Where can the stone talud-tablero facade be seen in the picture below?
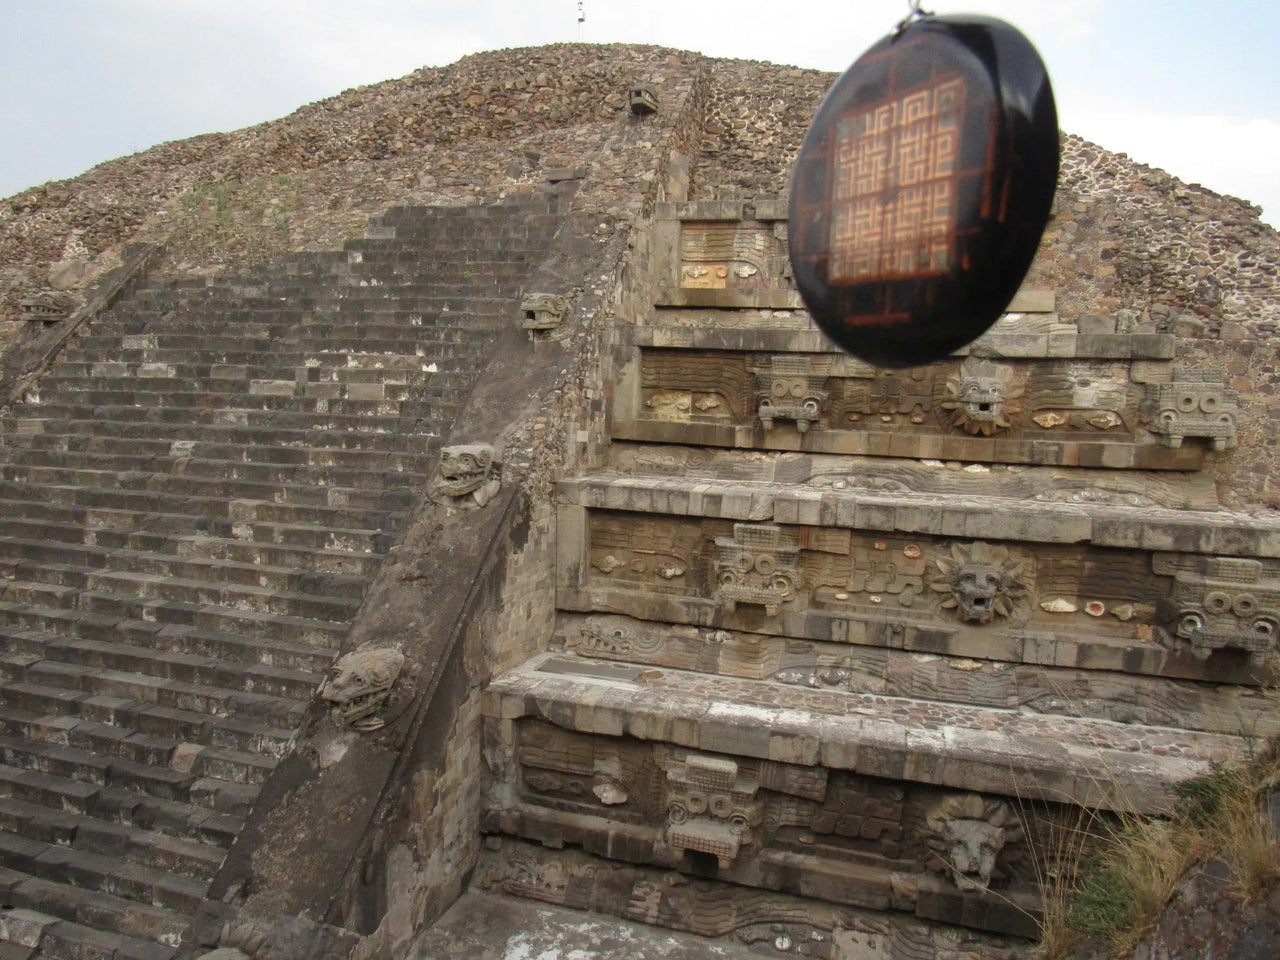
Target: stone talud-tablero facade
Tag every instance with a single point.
(535, 543)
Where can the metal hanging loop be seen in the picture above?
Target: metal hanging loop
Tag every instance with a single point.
(915, 14)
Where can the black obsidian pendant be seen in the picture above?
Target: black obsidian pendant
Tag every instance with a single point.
(923, 187)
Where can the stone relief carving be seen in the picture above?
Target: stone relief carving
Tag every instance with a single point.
(48, 306)
(862, 811)
(981, 397)
(712, 806)
(1219, 603)
(967, 835)
(884, 570)
(792, 387)
(757, 565)
(1196, 404)
(642, 100)
(359, 684)
(721, 255)
(543, 311)
(468, 471)
(981, 582)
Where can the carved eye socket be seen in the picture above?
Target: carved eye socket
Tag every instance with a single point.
(1187, 404)
(765, 564)
(779, 389)
(1265, 627)
(1210, 404)
(1245, 605)
(1217, 602)
(797, 389)
(1190, 623)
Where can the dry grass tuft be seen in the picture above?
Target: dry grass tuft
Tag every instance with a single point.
(1107, 880)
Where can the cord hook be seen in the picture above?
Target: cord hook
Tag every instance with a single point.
(915, 13)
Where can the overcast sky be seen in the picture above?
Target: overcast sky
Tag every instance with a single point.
(1192, 86)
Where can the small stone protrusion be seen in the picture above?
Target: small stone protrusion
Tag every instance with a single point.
(643, 101)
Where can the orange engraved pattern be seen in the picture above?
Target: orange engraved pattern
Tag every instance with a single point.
(893, 198)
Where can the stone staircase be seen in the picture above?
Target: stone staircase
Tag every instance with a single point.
(193, 499)
(845, 647)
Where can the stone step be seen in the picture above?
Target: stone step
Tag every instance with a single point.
(368, 431)
(282, 664)
(159, 851)
(361, 395)
(171, 770)
(124, 523)
(298, 455)
(252, 625)
(22, 554)
(56, 939)
(326, 562)
(291, 474)
(317, 346)
(188, 697)
(179, 665)
(127, 806)
(238, 436)
(133, 730)
(176, 366)
(106, 874)
(207, 512)
(93, 924)
(83, 767)
(59, 584)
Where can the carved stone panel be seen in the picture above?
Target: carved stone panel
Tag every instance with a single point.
(1220, 603)
(469, 474)
(982, 397)
(981, 582)
(712, 806)
(48, 306)
(1195, 405)
(792, 387)
(359, 684)
(642, 100)
(756, 822)
(1067, 412)
(757, 565)
(543, 311)
(678, 567)
(731, 255)
(968, 833)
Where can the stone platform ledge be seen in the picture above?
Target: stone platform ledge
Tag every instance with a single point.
(966, 516)
(1093, 763)
(885, 476)
(1063, 343)
(1046, 451)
